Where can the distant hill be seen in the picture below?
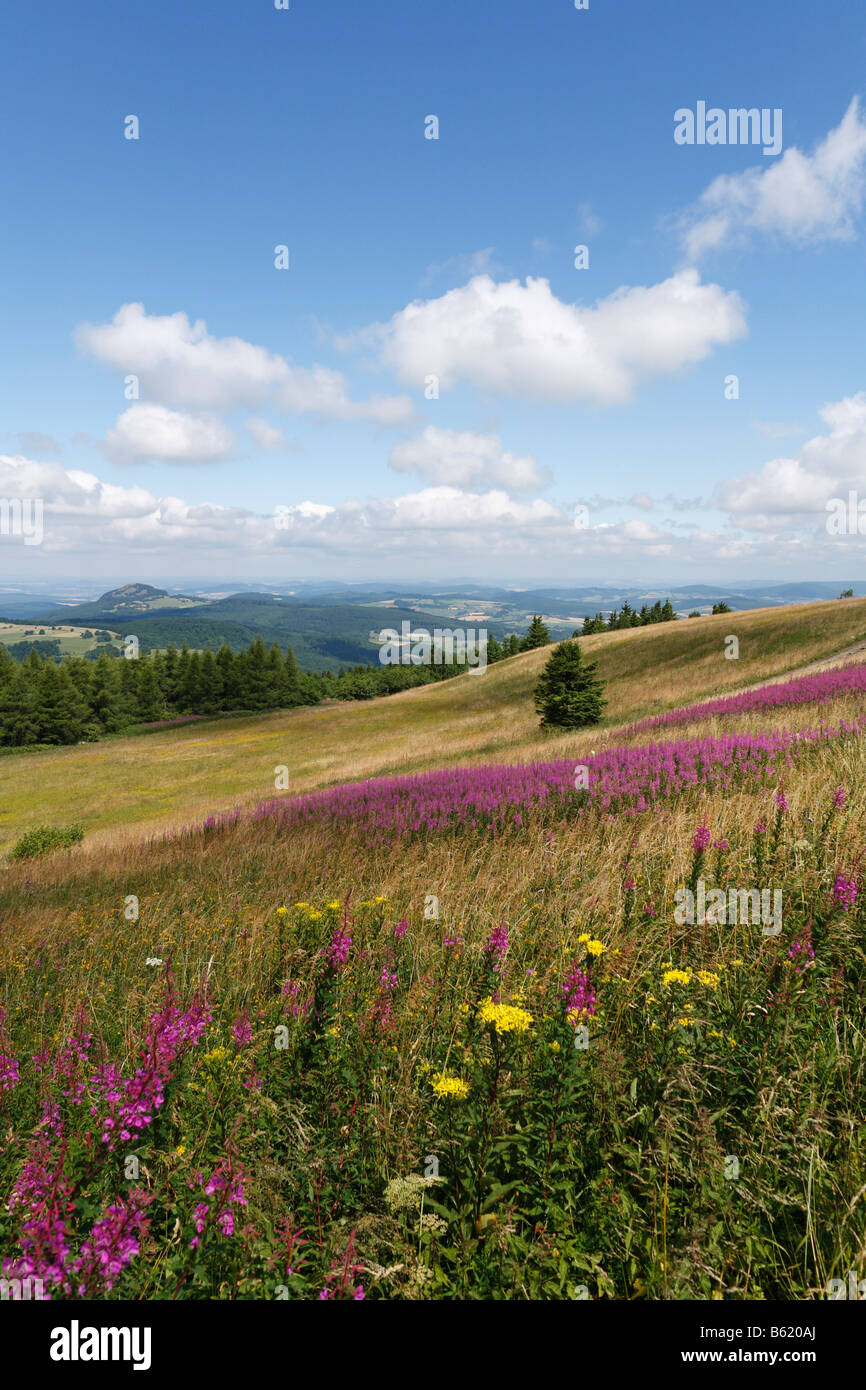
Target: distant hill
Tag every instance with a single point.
(129, 598)
(324, 636)
(329, 624)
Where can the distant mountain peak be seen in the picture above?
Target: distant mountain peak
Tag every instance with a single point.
(132, 593)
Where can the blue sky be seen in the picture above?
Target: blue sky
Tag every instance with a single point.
(263, 389)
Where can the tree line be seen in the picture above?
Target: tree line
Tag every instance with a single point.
(629, 617)
(81, 699)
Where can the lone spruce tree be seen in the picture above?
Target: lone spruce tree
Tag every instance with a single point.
(536, 636)
(567, 694)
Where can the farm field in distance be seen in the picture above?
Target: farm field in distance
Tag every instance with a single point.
(71, 639)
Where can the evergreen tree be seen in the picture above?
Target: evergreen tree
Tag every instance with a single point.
(210, 685)
(190, 690)
(168, 675)
(129, 688)
(255, 676)
(60, 713)
(568, 694)
(181, 677)
(151, 705)
(536, 636)
(18, 723)
(228, 669)
(668, 614)
(106, 696)
(291, 690)
(275, 671)
(494, 650)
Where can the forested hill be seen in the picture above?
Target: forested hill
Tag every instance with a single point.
(323, 636)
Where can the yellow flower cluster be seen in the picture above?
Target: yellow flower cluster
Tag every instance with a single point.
(594, 947)
(676, 977)
(506, 1018)
(445, 1085)
(709, 978)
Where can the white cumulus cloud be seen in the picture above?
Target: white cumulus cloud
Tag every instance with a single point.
(826, 466)
(146, 431)
(520, 340)
(801, 197)
(449, 457)
(180, 363)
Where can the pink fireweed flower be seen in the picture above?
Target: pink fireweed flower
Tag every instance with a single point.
(577, 996)
(497, 944)
(8, 1072)
(761, 827)
(112, 1244)
(345, 1272)
(42, 1196)
(844, 891)
(401, 929)
(241, 1031)
(337, 952)
(291, 989)
(839, 797)
(801, 952)
(781, 801)
(701, 839)
(131, 1104)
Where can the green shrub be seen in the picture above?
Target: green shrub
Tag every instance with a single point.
(46, 838)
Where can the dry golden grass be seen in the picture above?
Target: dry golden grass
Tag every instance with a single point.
(575, 866)
(125, 789)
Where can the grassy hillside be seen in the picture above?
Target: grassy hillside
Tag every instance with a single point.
(175, 776)
(488, 1061)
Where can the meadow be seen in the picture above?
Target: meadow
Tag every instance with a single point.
(123, 788)
(445, 1035)
(71, 639)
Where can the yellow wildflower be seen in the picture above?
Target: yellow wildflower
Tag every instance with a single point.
(676, 977)
(595, 948)
(709, 978)
(506, 1018)
(583, 938)
(446, 1085)
(281, 911)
